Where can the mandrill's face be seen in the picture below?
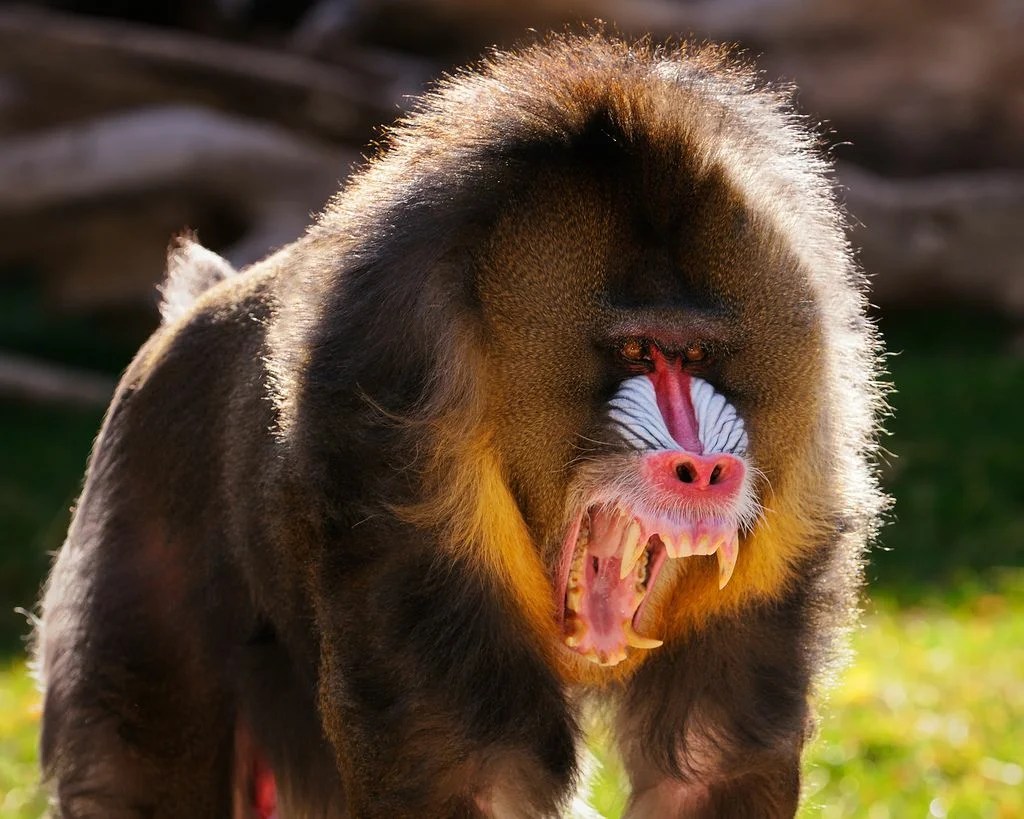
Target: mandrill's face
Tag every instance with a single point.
(646, 413)
(683, 489)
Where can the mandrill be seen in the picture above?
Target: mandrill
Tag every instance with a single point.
(568, 399)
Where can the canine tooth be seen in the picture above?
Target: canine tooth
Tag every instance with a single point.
(632, 548)
(727, 553)
(671, 544)
(639, 641)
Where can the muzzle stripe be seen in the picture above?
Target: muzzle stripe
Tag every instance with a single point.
(635, 414)
(720, 427)
(634, 409)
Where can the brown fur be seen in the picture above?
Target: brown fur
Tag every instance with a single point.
(326, 507)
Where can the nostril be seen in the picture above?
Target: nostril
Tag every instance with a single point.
(686, 473)
(715, 477)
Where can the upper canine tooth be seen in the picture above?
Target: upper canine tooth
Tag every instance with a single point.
(728, 550)
(671, 544)
(639, 641)
(632, 548)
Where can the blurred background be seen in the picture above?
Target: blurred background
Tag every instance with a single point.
(123, 122)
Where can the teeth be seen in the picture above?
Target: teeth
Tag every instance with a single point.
(576, 569)
(703, 544)
(611, 658)
(638, 641)
(577, 631)
(632, 548)
(671, 544)
(727, 553)
(573, 598)
(679, 544)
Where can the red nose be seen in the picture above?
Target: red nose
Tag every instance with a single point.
(698, 477)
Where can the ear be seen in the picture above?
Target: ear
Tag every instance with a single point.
(191, 270)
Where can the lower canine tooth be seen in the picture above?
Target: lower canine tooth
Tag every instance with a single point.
(727, 552)
(638, 641)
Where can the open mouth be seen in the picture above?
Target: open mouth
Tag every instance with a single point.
(613, 557)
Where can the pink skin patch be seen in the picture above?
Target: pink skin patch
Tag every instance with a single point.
(687, 497)
(264, 792)
(255, 786)
(694, 478)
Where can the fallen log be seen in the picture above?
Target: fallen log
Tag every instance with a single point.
(31, 379)
(158, 148)
(93, 205)
(120, 65)
(954, 237)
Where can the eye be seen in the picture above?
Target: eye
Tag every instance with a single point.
(635, 350)
(695, 353)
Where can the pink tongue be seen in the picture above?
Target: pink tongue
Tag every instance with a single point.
(604, 615)
(607, 602)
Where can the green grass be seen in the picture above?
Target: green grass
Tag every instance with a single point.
(47, 449)
(929, 719)
(958, 474)
(19, 722)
